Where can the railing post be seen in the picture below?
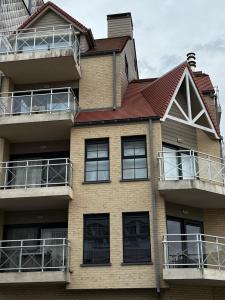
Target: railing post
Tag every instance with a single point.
(50, 107)
(166, 251)
(201, 258)
(31, 102)
(26, 173)
(68, 100)
(35, 37)
(43, 256)
(63, 254)
(209, 168)
(11, 104)
(16, 41)
(20, 255)
(5, 175)
(218, 253)
(53, 37)
(66, 173)
(47, 173)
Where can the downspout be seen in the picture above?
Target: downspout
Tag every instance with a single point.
(154, 207)
(114, 79)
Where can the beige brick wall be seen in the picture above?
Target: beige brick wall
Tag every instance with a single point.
(96, 83)
(114, 198)
(59, 293)
(206, 144)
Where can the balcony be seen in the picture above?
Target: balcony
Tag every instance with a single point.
(192, 178)
(194, 258)
(44, 54)
(34, 261)
(29, 116)
(35, 184)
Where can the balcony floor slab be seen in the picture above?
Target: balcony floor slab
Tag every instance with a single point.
(54, 197)
(194, 193)
(34, 277)
(195, 276)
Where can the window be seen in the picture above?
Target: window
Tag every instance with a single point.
(96, 239)
(134, 158)
(136, 238)
(126, 67)
(97, 160)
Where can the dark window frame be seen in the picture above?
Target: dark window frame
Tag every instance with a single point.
(96, 141)
(95, 216)
(135, 138)
(148, 236)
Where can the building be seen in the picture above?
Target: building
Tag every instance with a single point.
(112, 187)
(14, 12)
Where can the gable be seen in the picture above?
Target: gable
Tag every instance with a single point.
(49, 18)
(187, 106)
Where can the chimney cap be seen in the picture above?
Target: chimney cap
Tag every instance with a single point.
(119, 16)
(191, 60)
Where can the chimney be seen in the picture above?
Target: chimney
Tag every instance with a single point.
(191, 60)
(120, 25)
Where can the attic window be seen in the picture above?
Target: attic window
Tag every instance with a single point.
(126, 67)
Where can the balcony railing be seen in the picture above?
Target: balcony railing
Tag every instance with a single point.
(190, 165)
(194, 251)
(36, 173)
(38, 101)
(34, 255)
(40, 39)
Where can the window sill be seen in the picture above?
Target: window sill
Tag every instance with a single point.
(137, 263)
(96, 182)
(95, 265)
(131, 180)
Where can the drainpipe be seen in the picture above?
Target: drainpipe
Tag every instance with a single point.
(154, 207)
(114, 80)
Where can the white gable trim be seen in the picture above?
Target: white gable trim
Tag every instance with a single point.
(189, 120)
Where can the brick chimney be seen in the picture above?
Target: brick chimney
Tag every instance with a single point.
(120, 25)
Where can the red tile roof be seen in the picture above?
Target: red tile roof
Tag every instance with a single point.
(58, 9)
(203, 81)
(147, 98)
(109, 44)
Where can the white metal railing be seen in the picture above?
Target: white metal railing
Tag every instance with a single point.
(36, 173)
(190, 164)
(194, 251)
(40, 39)
(38, 101)
(35, 255)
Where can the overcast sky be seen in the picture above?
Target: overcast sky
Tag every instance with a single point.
(164, 31)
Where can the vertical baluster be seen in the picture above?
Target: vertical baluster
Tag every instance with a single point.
(66, 173)
(199, 251)
(16, 41)
(6, 174)
(31, 102)
(26, 173)
(218, 253)
(11, 104)
(51, 96)
(47, 173)
(43, 256)
(20, 255)
(63, 254)
(35, 37)
(68, 100)
(209, 168)
(166, 252)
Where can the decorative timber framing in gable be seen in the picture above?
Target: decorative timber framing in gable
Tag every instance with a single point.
(187, 107)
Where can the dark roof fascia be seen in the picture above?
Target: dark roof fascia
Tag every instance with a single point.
(117, 121)
(106, 52)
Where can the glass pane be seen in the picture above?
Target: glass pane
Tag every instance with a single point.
(140, 163)
(91, 165)
(128, 174)
(187, 166)
(103, 175)
(103, 165)
(139, 148)
(170, 165)
(91, 176)
(174, 248)
(128, 164)
(140, 173)
(128, 149)
(192, 248)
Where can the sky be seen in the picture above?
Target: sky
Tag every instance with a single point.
(165, 31)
